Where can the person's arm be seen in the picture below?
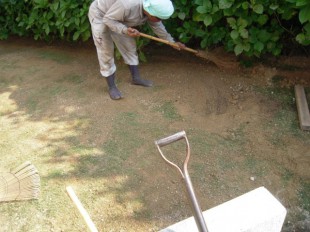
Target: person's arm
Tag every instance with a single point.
(160, 30)
(114, 18)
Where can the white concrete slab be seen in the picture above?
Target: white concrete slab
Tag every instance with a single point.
(255, 211)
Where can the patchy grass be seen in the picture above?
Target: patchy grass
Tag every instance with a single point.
(57, 56)
(168, 110)
(304, 196)
(285, 119)
(287, 176)
(71, 78)
(57, 115)
(7, 65)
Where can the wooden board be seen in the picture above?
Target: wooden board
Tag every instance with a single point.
(302, 107)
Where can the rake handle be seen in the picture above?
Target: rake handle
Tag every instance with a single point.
(167, 42)
(81, 209)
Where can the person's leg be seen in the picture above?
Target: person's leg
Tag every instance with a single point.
(127, 47)
(114, 93)
(105, 49)
(136, 79)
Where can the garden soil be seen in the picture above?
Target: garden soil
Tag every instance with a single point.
(232, 119)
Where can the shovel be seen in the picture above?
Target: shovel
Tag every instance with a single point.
(200, 222)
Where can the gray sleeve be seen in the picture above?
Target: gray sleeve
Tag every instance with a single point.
(160, 30)
(114, 16)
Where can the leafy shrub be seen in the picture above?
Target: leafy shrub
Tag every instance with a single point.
(303, 6)
(250, 27)
(44, 19)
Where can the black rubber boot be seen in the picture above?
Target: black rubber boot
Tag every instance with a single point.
(136, 79)
(114, 93)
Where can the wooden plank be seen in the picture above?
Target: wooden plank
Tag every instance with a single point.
(302, 107)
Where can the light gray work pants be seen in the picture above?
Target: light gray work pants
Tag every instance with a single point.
(104, 38)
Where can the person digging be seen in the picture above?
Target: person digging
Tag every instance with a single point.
(112, 22)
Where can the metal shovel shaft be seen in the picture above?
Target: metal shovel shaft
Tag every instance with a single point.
(200, 222)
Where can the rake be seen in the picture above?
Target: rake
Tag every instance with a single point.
(21, 183)
(227, 62)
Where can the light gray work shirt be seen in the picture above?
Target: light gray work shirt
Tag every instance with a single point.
(118, 15)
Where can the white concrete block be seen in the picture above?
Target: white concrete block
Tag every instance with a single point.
(255, 211)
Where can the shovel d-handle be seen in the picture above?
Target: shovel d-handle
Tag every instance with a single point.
(170, 139)
(200, 222)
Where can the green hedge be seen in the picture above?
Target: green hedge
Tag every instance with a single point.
(250, 27)
(44, 19)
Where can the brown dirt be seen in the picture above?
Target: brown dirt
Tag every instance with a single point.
(225, 115)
